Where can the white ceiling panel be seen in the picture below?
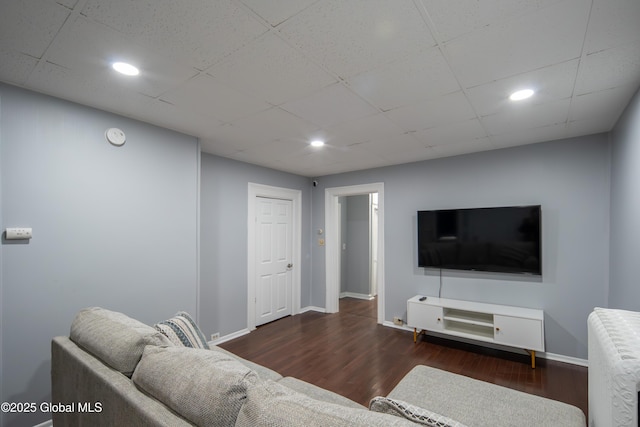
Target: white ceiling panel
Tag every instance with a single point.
(532, 136)
(452, 19)
(454, 133)
(88, 48)
(548, 36)
(206, 96)
(382, 82)
(361, 130)
(272, 70)
(407, 81)
(15, 67)
(275, 13)
(609, 68)
(528, 116)
(450, 108)
(457, 149)
(330, 106)
(198, 32)
(29, 27)
(589, 106)
(355, 36)
(273, 124)
(550, 84)
(613, 23)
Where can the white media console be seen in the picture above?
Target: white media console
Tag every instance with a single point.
(499, 324)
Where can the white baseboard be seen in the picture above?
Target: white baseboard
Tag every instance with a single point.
(48, 423)
(542, 355)
(312, 308)
(356, 295)
(229, 337)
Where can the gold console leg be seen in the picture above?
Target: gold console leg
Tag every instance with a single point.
(415, 335)
(533, 358)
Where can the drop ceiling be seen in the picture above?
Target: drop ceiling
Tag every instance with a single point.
(383, 82)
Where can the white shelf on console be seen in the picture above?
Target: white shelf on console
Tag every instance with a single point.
(500, 324)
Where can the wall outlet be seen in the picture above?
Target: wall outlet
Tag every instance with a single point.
(215, 336)
(397, 321)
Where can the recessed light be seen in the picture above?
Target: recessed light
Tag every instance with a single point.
(126, 69)
(521, 94)
(317, 143)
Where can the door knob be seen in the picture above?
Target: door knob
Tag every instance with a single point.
(289, 265)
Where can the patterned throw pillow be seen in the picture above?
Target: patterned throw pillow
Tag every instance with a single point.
(182, 330)
(411, 412)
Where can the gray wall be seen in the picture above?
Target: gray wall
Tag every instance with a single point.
(624, 290)
(356, 238)
(112, 226)
(223, 247)
(569, 178)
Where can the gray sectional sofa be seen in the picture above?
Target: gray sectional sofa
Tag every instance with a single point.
(116, 371)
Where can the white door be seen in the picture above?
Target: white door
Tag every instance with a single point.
(274, 249)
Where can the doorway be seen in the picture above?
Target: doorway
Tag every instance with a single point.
(358, 245)
(334, 247)
(273, 286)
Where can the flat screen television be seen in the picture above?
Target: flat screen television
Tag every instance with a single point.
(501, 239)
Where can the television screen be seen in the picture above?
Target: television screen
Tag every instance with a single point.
(503, 239)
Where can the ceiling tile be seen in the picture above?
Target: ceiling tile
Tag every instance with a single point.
(270, 125)
(28, 27)
(527, 116)
(454, 133)
(88, 48)
(208, 97)
(68, 3)
(531, 136)
(355, 36)
(407, 81)
(271, 70)
(457, 149)
(550, 83)
(361, 130)
(276, 13)
(549, 36)
(609, 68)
(330, 106)
(612, 23)
(447, 109)
(604, 106)
(454, 18)
(200, 32)
(15, 67)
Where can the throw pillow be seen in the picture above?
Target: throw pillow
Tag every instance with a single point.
(411, 412)
(182, 330)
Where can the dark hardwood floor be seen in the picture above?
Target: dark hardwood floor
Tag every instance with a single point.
(350, 354)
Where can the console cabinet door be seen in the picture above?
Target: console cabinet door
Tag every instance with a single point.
(518, 332)
(424, 316)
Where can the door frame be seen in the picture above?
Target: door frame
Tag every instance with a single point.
(295, 196)
(331, 216)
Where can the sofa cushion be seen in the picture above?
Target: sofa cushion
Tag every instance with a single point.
(272, 404)
(413, 413)
(263, 372)
(182, 330)
(318, 393)
(113, 337)
(485, 404)
(204, 386)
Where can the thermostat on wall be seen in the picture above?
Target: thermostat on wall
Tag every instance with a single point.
(115, 136)
(18, 233)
